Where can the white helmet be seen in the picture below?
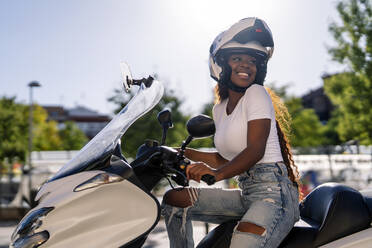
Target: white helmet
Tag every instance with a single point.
(250, 35)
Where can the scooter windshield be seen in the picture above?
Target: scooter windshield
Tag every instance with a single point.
(105, 141)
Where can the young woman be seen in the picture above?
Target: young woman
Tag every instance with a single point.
(250, 144)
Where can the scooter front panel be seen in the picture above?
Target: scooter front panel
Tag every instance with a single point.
(109, 215)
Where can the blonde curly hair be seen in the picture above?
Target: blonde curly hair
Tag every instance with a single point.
(283, 126)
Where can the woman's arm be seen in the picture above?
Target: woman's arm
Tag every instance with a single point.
(213, 159)
(258, 132)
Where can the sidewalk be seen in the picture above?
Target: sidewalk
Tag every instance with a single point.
(6, 230)
(158, 237)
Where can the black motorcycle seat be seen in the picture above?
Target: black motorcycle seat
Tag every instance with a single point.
(368, 198)
(329, 212)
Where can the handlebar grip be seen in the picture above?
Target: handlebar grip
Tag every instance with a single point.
(209, 179)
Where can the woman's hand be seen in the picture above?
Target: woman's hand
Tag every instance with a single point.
(196, 170)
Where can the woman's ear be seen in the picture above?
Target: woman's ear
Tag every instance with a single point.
(261, 74)
(225, 74)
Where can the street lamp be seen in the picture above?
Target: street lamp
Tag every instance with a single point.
(32, 84)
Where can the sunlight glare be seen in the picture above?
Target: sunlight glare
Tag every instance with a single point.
(218, 14)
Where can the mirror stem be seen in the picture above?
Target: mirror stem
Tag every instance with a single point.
(184, 144)
(164, 136)
(147, 81)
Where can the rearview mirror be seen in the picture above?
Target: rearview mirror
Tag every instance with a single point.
(164, 118)
(201, 126)
(126, 75)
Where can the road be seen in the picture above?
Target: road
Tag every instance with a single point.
(157, 238)
(6, 229)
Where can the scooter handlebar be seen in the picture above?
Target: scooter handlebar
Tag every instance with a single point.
(209, 179)
(180, 165)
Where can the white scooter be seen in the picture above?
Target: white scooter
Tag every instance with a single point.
(332, 216)
(98, 199)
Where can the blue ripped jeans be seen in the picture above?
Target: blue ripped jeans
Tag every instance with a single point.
(266, 198)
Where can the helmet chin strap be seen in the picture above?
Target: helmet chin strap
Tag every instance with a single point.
(236, 88)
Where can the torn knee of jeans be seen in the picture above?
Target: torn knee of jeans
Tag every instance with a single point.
(193, 195)
(176, 212)
(269, 200)
(248, 227)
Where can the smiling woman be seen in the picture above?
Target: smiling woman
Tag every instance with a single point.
(243, 69)
(249, 145)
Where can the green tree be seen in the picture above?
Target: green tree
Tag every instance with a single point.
(13, 129)
(72, 138)
(307, 130)
(45, 133)
(281, 91)
(351, 91)
(148, 127)
(331, 136)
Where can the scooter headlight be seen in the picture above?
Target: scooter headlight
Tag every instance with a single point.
(100, 179)
(35, 240)
(24, 235)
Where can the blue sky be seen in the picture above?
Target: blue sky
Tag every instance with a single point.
(74, 47)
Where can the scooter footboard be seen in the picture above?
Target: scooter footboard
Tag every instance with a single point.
(219, 237)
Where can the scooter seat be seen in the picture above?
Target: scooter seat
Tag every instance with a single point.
(329, 212)
(367, 194)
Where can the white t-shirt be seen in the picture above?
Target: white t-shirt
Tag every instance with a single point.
(231, 130)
